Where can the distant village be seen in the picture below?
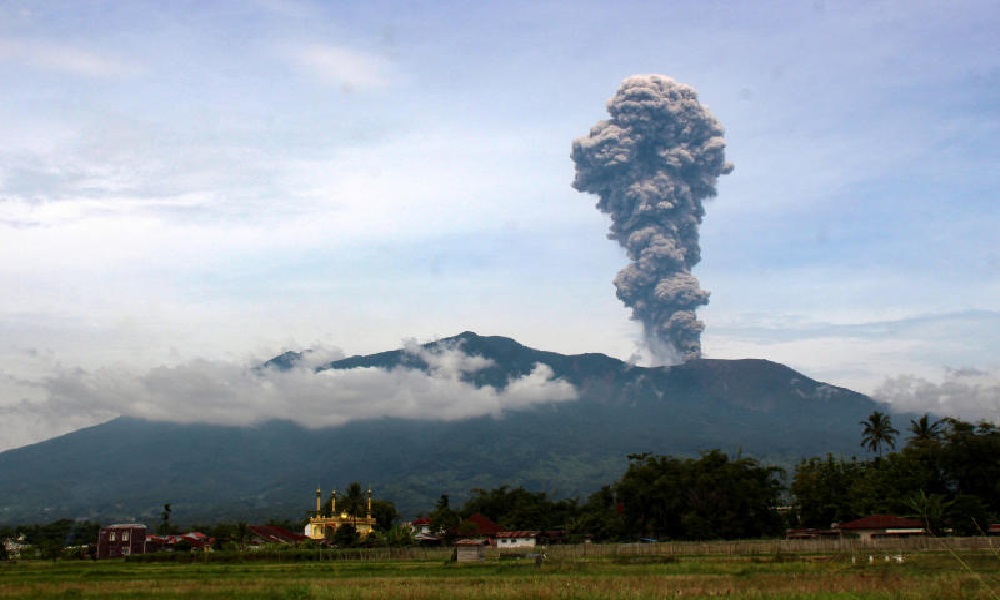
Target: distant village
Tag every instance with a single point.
(942, 483)
(327, 527)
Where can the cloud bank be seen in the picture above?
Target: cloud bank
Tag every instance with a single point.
(228, 393)
(970, 394)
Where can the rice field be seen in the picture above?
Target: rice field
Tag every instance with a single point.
(931, 574)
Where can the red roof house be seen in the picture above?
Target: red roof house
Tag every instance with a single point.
(882, 526)
(477, 526)
(272, 534)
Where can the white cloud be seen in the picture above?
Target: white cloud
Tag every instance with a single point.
(859, 354)
(64, 58)
(970, 394)
(233, 393)
(351, 69)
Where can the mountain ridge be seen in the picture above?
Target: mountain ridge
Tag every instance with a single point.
(128, 468)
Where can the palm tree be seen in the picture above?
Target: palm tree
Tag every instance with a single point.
(354, 501)
(931, 509)
(924, 430)
(878, 432)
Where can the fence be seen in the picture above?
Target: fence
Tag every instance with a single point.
(751, 548)
(735, 549)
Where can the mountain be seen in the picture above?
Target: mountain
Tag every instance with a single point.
(128, 468)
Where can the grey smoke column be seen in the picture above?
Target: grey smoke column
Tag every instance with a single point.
(652, 164)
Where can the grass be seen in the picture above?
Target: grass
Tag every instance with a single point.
(925, 574)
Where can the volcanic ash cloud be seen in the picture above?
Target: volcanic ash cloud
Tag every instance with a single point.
(652, 164)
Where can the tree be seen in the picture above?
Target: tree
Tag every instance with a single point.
(165, 527)
(354, 501)
(385, 514)
(931, 508)
(878, 432)
(968, 516)
(518, 509)
(600, 517)
(398, 536)
(345, 536)
(711, 497)
(968, 461)
(443, 517)
(925, 431)
(821, 488)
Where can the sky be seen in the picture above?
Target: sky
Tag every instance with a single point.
(190, 188)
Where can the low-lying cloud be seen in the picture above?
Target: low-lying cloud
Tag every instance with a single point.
(971, 394)
(227, 393)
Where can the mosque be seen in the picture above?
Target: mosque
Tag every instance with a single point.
(324, 523)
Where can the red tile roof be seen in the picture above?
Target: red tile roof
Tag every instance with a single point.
(483, 525)
(883, 522)
(469, 542)
(517, 534)
(277, 535)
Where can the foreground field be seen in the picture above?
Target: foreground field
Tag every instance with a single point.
(922, 574)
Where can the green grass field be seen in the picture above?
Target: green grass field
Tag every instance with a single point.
(925, 574)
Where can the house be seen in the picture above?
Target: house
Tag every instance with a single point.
(13, 546)
(272, 534)
(115, 541)
(421, 530)
(421, 525)
(878, 527)
(469, 550)
(174, 542)
(517, 539)
(476, 526)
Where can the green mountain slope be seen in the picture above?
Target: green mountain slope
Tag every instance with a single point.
(127, 469)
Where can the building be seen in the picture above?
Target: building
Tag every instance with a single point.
(323, 524)
(422, 534)
(116, 541)
(421, 526)
(469, 550)
(477, 525)
(173, 542)
(878, 527)
(517, 539)
(13, 546)
(272, 534)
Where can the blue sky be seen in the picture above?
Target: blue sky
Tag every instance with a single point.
(185, 182)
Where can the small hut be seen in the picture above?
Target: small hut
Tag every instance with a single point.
(469, 550)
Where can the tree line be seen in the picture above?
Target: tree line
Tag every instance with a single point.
(947, 473)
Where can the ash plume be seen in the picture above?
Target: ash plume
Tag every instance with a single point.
(652, 164)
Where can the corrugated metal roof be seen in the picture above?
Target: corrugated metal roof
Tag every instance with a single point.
(883, 522)
(518, 534)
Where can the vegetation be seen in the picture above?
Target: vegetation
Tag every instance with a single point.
(616, 574)
(878, 432)
(222, 473)
(948, 474)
